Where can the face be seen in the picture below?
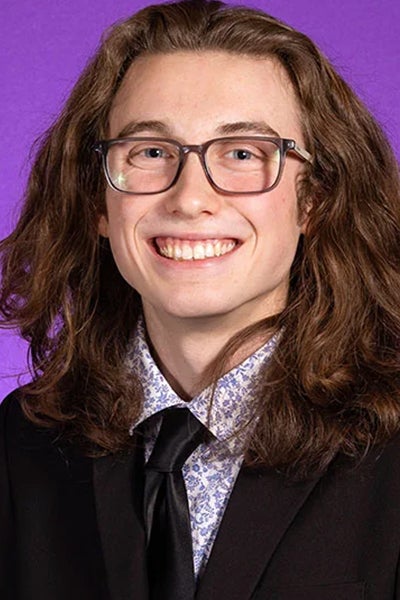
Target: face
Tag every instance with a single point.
(193, 252)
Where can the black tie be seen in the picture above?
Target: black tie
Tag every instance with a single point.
(166, 512)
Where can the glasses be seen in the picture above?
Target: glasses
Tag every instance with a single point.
(232, 165)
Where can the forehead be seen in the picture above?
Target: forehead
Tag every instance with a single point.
(195, 93)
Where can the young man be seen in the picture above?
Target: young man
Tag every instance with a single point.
(237, 259)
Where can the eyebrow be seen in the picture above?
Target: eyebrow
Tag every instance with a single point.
(134, 127)
(247, 127)
(161, 128)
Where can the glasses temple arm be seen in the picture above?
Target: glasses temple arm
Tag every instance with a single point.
(303, 153)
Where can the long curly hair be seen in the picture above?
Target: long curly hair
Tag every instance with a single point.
(333, 383)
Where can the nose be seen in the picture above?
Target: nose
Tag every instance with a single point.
(192, 195)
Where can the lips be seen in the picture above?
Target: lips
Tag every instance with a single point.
(188, 250)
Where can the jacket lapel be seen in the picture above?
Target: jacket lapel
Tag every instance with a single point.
(118, 485)
(260, 510)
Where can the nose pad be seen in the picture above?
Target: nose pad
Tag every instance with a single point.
(192, 194)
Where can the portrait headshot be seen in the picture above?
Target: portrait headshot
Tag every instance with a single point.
(199, 305)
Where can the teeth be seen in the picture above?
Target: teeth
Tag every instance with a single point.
(187, 253)
(177, 253)
(209, 250)
(199, 252)
(176, 249)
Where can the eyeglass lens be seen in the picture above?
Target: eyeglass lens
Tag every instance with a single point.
(150, 166)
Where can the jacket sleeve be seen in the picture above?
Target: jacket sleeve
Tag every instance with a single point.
(7, 536)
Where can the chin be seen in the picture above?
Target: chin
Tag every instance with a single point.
(201, 313)
(203, 309)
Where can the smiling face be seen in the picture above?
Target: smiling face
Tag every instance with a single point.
(192, 251)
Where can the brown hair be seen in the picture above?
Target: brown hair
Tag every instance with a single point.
(332, 385)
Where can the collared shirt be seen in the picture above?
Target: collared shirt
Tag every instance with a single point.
(211, 471)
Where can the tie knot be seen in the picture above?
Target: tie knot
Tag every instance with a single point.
(179, 436)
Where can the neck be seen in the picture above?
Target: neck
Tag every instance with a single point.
(185, 348)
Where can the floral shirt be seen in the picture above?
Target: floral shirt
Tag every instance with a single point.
(211, 471)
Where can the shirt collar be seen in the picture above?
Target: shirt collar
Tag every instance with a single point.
(233, 407)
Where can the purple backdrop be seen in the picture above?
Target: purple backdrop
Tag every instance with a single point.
(45, 44)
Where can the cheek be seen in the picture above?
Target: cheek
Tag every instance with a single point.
(125, 250)
(126, 225)
(276, 216)
(122, 216)
(277, 234)
(119, 227)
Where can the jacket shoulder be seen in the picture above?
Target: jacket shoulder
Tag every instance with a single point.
(7, 526)
(11, 403)
(12, 418)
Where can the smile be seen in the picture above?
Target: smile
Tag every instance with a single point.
(181, 249)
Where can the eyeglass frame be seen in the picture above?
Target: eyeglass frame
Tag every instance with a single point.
(284, 145)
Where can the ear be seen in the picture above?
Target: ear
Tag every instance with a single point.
(103, 226)
(304, 223)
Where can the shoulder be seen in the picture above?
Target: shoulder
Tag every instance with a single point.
(386, 458)
(36, 455)
(10, 410)
(11, 413)
(13, 398)
(19, 435)
(374, 476)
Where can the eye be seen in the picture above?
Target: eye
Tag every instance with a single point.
(144, 153)
(154, 152)
(241, 154)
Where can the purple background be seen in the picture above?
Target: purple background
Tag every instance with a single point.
(45, 44)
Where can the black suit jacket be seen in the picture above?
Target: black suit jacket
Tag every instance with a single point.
(71, 527)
